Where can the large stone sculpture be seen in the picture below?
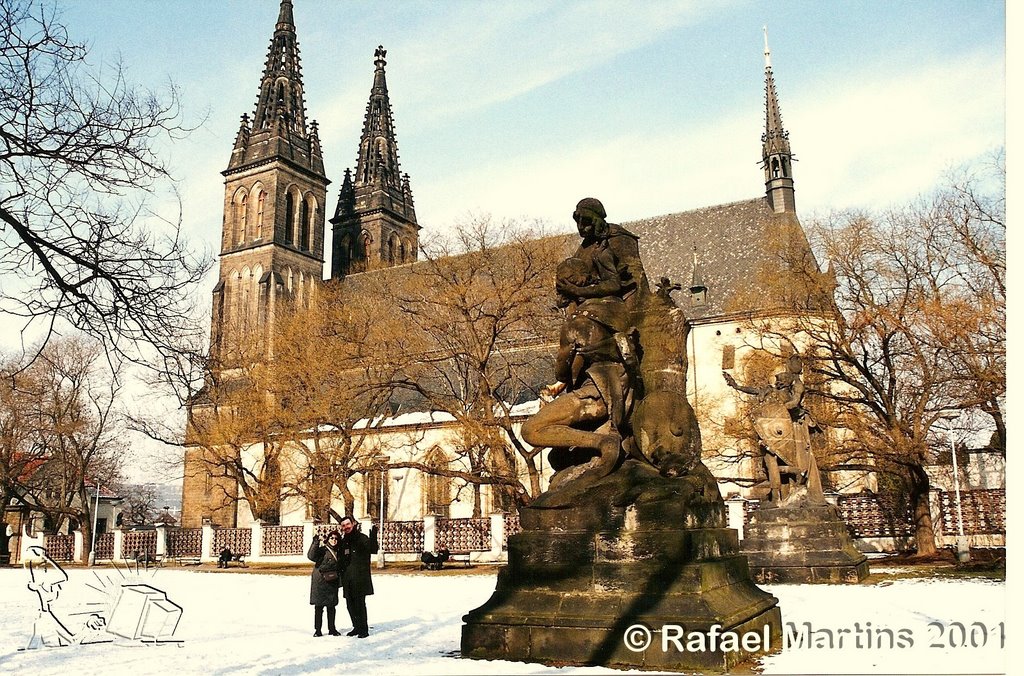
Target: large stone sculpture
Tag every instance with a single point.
(784, 429)
(795, 535)
(632, 528)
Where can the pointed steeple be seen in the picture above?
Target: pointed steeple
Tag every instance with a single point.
(279, 119)
(374, 222)
(377, 163)
(776, 155)
(347, 197)
(281, 99)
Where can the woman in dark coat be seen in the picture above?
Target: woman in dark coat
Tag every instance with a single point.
(355, 558)
(324, 581)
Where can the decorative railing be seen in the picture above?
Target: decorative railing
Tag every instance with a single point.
(60, 547)
(463, 535)
(512, 527)
(238, 540)
(182, 542)
(402, 536)
(281, 540)
(105, 547)
(138, 542)
(984, 512)
(872, 516)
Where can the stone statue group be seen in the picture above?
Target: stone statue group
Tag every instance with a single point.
(621, 371)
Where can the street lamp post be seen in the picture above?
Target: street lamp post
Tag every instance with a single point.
(383, 515)
(963, 552)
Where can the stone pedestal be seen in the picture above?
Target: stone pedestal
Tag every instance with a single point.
(633, 549)
(802, 544)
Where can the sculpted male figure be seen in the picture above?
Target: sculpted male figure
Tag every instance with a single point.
(596, 363)
(783, 426)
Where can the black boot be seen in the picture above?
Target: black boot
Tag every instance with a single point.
(331, 610)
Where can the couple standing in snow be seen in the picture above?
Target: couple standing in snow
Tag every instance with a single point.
(342, 561)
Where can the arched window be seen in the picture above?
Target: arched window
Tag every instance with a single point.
(261, 201)
(289, 218)
(775, 167)
(393, 247)
(242, 218)
(437, 489)
(305, 225)
(367, 243)
(373, 479)
(245, 307)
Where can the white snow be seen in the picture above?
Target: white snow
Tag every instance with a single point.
(241, 623)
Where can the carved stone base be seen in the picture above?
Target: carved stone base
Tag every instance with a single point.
(800, 545)
(662, 556)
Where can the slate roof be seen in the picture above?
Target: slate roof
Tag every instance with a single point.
(732, 252)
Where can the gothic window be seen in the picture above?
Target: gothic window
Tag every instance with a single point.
(401, 252)
(785, 167)
(289, 217)
(305, 225)
(728, 356)
(246, 298)
(437, 490)
(393, 246)
(242, 218)
(373, 481)
(367, 241)
(261, 201)
(775, 167)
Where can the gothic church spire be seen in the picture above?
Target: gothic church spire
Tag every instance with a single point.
(776, 155)
(279, 120)
(377, 163)
(375, 221)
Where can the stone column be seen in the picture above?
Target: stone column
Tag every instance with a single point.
(308, 529)
(430, 533)
(206, 542)
(256, 542)
(118, 544)
(735, 506)
(161, 541)
(79, 548)
(497, 534)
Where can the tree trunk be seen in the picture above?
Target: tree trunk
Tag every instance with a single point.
(920, 502)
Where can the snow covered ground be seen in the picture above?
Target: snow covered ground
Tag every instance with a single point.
(239, 623)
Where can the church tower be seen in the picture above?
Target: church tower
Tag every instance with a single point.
(776, 156)
(374, 222)
(275, 193)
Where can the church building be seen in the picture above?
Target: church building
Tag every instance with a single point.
(272, 254)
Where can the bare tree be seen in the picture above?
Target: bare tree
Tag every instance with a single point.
(908, 323)
(482, 323)
(68, 403)
(139, 503)
(79, 165)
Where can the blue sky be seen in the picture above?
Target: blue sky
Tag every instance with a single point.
(520, 109)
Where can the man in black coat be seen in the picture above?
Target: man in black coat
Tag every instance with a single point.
(356, 548)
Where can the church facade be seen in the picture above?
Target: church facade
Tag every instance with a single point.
(272, 255)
